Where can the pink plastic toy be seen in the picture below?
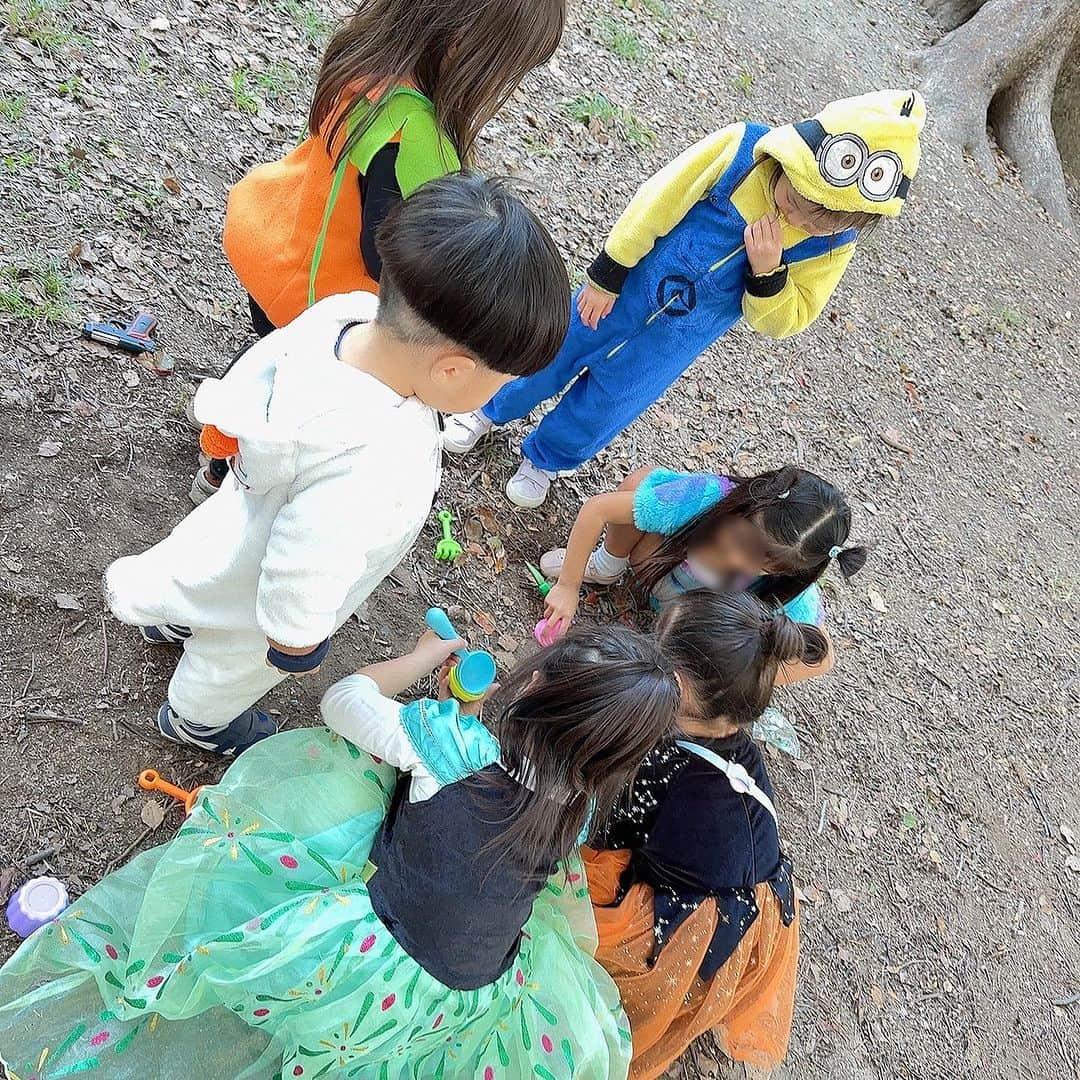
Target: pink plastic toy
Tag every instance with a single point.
(548, 635)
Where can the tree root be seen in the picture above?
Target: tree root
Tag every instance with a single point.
(1004, 61)
(1020, 116)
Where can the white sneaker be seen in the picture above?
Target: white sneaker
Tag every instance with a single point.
(551, 564)
(529, 486)
(464, 430)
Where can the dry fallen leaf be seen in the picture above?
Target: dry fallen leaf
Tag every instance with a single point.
(876, 600)
(484, 621)
(893, 437)
(474, 530)
(50, 448)
(842, 899)
(67, 602)
(171, 185)
(152, 814)
(488, 520)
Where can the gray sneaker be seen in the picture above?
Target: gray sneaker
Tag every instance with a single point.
(462, 431)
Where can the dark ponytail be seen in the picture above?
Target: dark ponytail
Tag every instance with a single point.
(803, 521)
(577, 720)
(729, 648)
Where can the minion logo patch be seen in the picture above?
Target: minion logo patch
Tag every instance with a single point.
(846, 159)
(676, 295)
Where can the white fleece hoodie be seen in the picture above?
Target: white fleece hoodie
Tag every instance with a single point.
(333, 481)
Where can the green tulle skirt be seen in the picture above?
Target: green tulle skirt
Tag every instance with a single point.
(248, 947)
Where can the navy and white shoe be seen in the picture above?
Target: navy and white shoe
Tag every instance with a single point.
(246, 730)
(165, 634)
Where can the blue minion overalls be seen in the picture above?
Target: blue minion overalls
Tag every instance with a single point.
(683, 296)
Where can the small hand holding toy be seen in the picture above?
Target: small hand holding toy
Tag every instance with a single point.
(447, 549)
(471, 677)
(560, 607)
(548, 631)
(150, 781)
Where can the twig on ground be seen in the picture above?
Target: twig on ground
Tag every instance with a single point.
(122, 857)
(51, 718)
(38, 856)
(1042, 812)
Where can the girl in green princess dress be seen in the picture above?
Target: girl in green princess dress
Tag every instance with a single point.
(390, 897)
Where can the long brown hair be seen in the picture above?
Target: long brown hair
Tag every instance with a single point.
(729, 648)
(804, 523)
(579, 718)
(467, 56)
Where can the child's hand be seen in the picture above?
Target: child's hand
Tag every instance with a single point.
(466, 708)
(764, 245)
(561, 605)
(594, 304)
(433, 648)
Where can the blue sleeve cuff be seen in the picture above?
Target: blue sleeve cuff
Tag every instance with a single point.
(297, 665)
(665, 501)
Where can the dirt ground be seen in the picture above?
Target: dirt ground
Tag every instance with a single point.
(934, 813)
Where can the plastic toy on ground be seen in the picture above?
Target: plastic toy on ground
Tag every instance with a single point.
(471, 677)
(547, 633)
(34, 904)
(543, 586)
(447, 549)
(150, 781)
(135, 337)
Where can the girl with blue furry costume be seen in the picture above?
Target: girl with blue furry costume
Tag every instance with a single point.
(379, 900)
(751, 222)
(773, 534)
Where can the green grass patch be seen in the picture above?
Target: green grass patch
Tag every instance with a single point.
(312, 23)
(12, 164)
(36, 293)
(242, 95)
(744, 82)
(13, 107)
(38, 21)
(622, 41)
(597, 108)
(276, 81)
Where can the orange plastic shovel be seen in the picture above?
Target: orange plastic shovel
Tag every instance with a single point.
(150, 781)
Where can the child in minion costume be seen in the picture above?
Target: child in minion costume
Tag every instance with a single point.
(751, 222)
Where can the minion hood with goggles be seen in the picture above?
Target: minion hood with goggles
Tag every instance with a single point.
(858, 154)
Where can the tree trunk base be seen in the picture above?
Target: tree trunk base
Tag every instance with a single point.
(1003, 63)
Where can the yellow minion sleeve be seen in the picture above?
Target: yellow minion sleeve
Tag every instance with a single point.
(805, 293)
(661, 203)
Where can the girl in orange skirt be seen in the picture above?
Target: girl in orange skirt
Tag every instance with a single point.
(692, 893)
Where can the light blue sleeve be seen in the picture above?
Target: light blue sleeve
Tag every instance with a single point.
(665, 500)
(808, 607)
(451, 745)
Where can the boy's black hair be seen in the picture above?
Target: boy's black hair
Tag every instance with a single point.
(464, 260)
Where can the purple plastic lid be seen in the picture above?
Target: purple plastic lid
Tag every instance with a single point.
(34, 904)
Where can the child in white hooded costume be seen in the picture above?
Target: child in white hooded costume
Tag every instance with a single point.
(336, 457)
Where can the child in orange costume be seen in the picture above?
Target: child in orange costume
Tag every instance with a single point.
(693, 896)
(404, 89)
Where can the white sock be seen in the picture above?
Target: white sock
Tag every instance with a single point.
(608, 565)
